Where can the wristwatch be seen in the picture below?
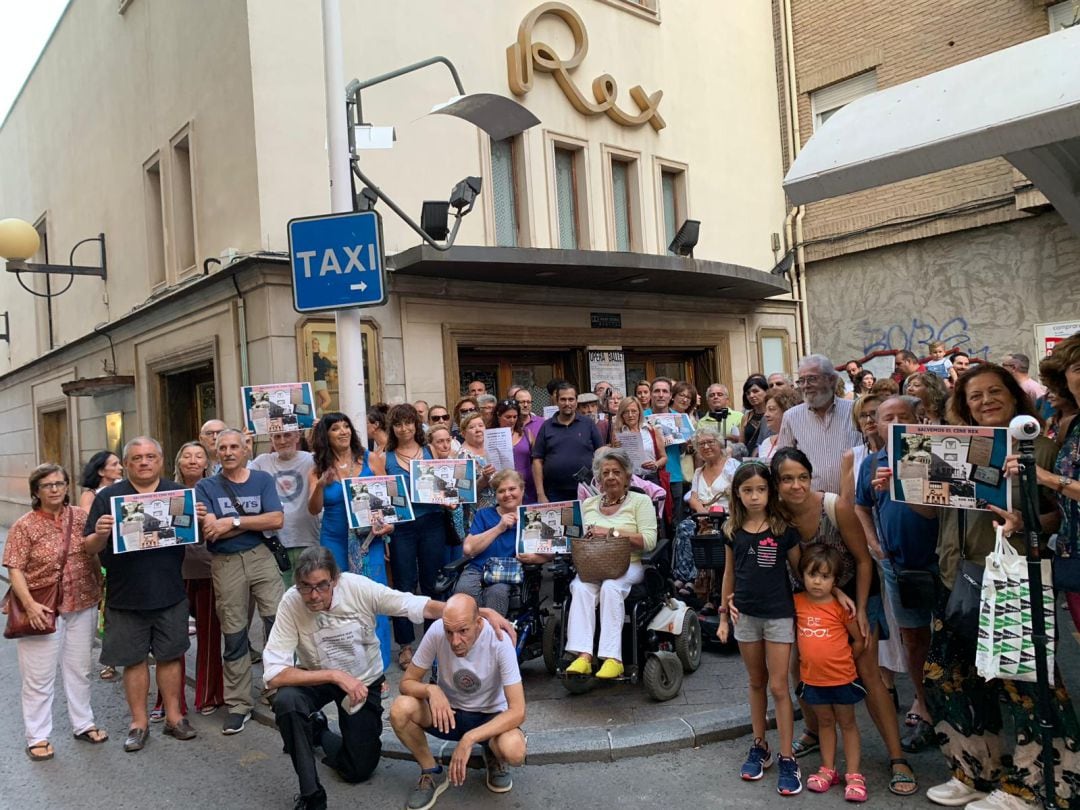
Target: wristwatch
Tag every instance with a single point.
(236, 523)
(615, 533)
(1063, 482)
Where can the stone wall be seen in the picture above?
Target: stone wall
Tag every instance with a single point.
(981, 289)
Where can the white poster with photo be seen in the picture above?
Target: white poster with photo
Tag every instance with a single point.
(672, 428)
(607, 364)
(150, 520)
(278, 408)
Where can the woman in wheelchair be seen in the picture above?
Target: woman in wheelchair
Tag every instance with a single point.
(615, 512)
(491, 541)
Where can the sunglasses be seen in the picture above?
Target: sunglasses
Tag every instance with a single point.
(442, 417)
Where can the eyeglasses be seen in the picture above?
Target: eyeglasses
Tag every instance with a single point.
(809, 379)
(53, 485)
(321, 587)
(441, 417)
(868, 416)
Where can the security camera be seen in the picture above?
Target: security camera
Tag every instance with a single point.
(464, 194)
(1024, 428)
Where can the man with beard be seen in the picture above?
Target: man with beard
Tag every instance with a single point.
(821, 426)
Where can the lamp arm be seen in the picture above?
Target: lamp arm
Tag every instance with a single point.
(405, 217)
(18, 277)
(353, 88)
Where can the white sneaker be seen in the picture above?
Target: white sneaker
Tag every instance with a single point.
(954, 793)
(1000, 800)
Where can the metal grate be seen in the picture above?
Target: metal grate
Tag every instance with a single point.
(620, 191)
(564, 195)
(503, 194)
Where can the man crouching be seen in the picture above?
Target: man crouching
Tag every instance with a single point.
(479, 699)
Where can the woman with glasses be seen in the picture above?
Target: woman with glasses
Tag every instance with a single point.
(442, 445)
(464, 407)
(931, 391)
(629, 419)
(45, 546)
(508, 415)
(472, 446)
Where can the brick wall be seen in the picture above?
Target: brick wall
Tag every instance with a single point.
(835, 39)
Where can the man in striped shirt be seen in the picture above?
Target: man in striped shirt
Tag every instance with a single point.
(821, 426)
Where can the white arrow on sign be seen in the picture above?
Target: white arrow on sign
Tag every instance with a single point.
(361, 286)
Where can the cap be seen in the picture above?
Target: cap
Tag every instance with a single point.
(585, 399)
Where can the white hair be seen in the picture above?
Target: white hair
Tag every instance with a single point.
(820, 362)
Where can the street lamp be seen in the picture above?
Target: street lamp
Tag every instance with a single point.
(500, 117)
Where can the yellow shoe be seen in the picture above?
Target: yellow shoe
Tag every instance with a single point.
(610, 669)
(581, 666)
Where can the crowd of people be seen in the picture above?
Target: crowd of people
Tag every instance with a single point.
(814, 548)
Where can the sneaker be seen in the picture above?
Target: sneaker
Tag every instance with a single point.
(181, 731)
(157, 715)
(790, 781)
(953, 793)
(316, 801)
(235, 723)
(757, 761)
(1000, 800)
(498, 773)
(428, 789)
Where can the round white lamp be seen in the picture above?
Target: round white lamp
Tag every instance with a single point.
(19, 240)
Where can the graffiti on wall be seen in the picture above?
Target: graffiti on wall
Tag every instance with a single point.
(916, 335)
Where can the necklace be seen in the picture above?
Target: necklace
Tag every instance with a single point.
(604, 502)
(762, 526)
(419, 452)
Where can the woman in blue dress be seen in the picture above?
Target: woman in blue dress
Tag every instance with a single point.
(416, 555)
(338, 455)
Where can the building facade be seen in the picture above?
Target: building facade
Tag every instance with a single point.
(191, 133)
(973, 256)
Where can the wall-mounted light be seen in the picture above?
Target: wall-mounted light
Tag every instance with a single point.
(686, 239)
(19, 240)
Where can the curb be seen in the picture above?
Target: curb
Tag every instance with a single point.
(596, 743)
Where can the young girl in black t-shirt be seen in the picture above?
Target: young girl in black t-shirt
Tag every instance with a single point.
(757, 593)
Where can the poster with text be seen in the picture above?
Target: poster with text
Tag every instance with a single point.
(377, 498)
(149, 520)
(499, 448)
(278, 407)
(444, 482)
(672, 428)
(549, 528)
(953, 466)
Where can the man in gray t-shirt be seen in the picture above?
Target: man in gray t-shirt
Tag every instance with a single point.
(290, 467)
(478, 699)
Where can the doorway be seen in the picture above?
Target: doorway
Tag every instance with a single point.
(53, 439)
(502, 368)
(187, 398)
(695, 367)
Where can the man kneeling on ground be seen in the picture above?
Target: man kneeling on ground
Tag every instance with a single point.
(479, 699)
(327, 620)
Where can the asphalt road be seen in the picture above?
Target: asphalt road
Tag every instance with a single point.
(249, 771)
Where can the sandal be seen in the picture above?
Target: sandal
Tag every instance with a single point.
(806, 744)
(911, 719)
(89, 736)
(854, 787)
(44, 745)
(404, 657)
(107, 674)
(901, 778)
(824, 779)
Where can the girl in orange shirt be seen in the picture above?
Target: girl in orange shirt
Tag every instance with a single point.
(829, 683)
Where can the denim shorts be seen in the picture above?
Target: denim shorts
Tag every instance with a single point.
(751, 628)
(905, 617)
(464, 722)
(844, 695)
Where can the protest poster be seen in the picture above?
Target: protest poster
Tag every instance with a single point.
(278, 407)
(377, 498)
(954, 466)
(444, 482)
(148, 520)
(499, 448)
(673, 428)
(550, 411)
(549, 528)
(631, 442)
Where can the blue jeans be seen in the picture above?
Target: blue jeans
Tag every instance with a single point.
(416, 555)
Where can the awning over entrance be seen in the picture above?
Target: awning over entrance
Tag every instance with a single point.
(590, 269)
(1021, 103)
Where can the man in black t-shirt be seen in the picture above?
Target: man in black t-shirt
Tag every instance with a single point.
(564, 444)
(146, 610)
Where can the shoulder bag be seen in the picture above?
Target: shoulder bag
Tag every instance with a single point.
(51, 595)
(962, 609)
(281, 555)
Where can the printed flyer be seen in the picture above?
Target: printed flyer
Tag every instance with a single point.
(953, 466)
(377, 498)
(549, 528)
(278, 407)
(672, 428)
(444, 482)
(151, 520)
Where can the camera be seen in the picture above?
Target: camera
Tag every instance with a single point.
(1024, 428)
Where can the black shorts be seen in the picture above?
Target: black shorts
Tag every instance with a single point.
(464, 722)
(131, 635)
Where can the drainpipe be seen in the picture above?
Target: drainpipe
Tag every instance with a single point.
(241, 316)
(793, 223)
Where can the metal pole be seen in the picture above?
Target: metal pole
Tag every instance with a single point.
(1044, 709)
(351, 395)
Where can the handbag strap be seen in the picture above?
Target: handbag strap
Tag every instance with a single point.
(226, 484)
(69, 522)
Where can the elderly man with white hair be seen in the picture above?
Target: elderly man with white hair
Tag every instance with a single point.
(821, 426)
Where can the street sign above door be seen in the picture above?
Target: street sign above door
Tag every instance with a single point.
(337, 261)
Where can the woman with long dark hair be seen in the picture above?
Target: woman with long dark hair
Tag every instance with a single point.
(753, 428)
(102, 470)
(417, 553)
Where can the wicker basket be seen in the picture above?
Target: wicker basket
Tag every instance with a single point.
(600, 558)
